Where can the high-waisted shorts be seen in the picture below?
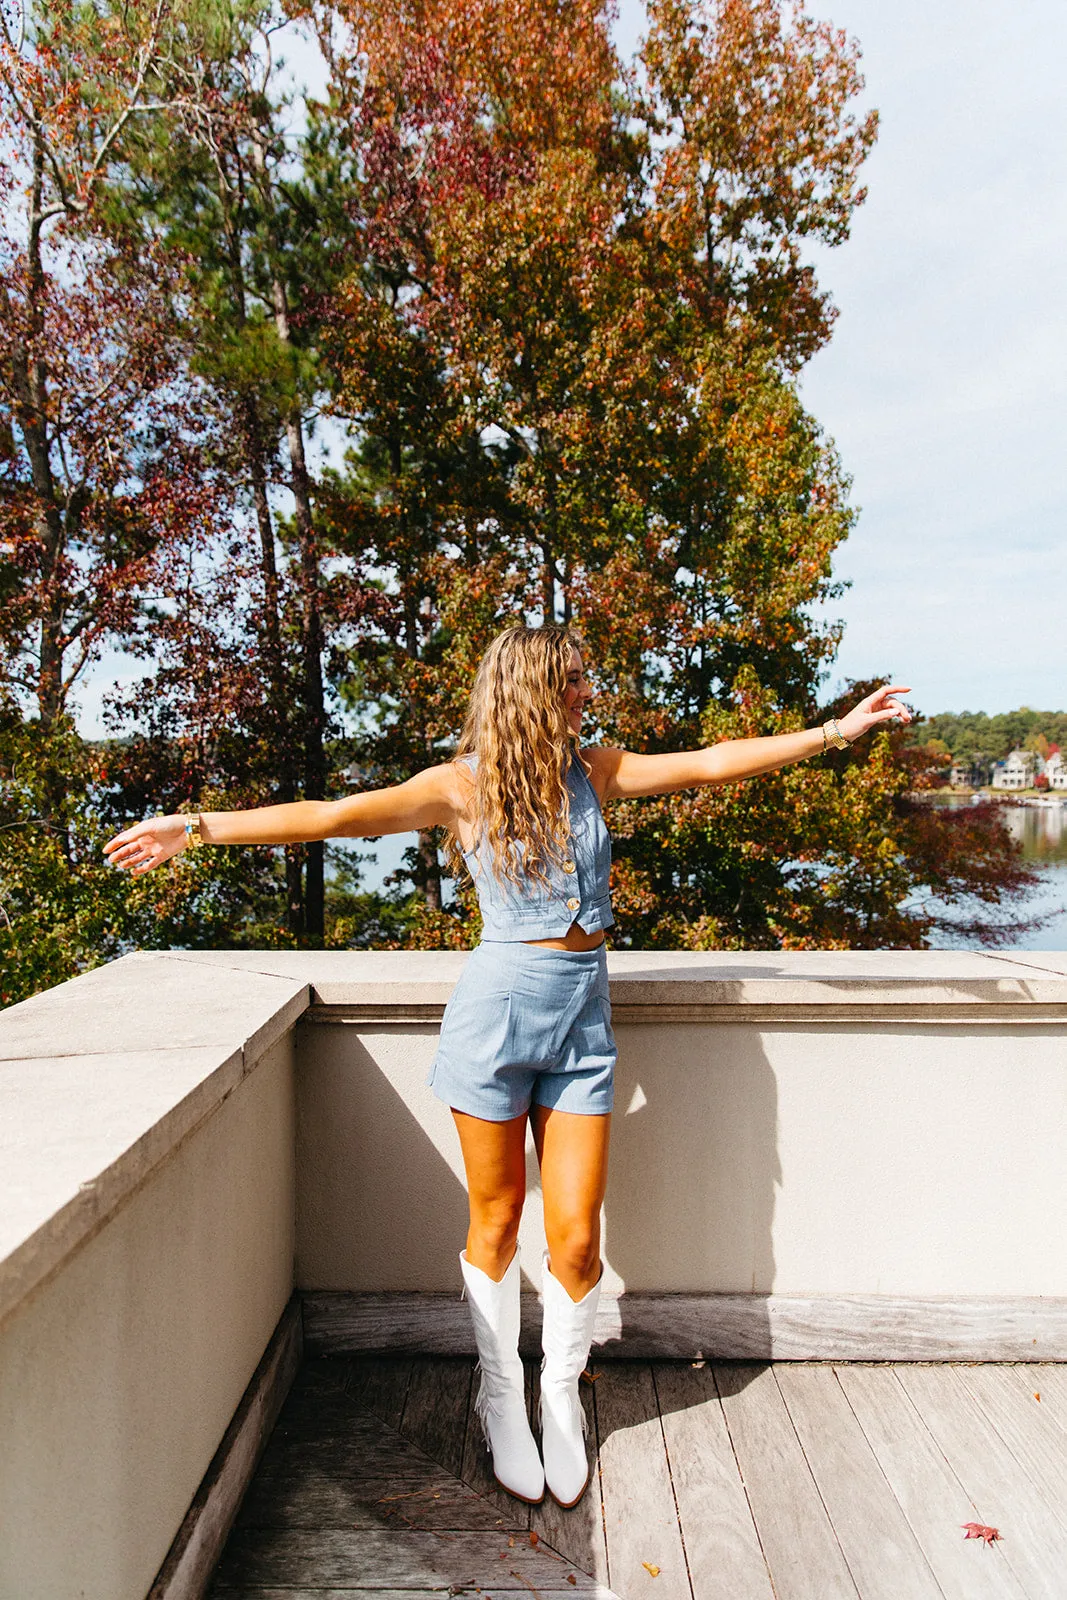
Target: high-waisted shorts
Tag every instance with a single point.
(527, 1025)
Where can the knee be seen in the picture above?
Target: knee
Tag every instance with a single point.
(574, 1248)
(495, 1222)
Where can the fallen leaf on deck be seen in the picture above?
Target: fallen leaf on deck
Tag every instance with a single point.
(534, 1537)
(1037, 1396)
(571, 1578)
(978, 1530)
(652, 1571)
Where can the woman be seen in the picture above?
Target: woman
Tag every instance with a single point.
(527, 1033)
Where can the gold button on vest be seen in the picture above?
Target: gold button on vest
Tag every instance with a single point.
(572, 905)
(568, 866)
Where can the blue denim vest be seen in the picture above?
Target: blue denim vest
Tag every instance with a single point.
(575, 892)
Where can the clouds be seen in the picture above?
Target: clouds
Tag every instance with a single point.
(945, 384)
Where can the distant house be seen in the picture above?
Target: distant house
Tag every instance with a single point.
(961, 775)
(1017, 772)
(1056, 771)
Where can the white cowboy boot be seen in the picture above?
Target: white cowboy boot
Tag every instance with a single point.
(501, 1403)
(566, 1337)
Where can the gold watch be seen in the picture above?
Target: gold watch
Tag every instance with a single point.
(831, 732)
(193, 836)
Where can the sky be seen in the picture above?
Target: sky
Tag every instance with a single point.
(945, 384)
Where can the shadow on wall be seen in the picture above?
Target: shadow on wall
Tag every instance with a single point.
(381, 1200)
(694, 1172)
(691, 1192)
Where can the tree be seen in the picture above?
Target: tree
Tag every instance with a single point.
(559, 308)
(100, 459)
(625, 308)
(260, 225)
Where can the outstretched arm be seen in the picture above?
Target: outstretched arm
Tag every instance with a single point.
(429, 799)
(623, 775)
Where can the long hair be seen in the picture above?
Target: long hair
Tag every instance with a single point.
(517, 729)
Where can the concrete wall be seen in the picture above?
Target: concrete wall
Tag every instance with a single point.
(173, 1128)
(833, 1156)
(148, 1233)
(843, 1160)
(120, 1375)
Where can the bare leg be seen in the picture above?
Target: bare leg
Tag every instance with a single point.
(494, 1155)
(573, 1152)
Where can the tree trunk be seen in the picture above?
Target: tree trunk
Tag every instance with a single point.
(429, 869)
(30, 376)
(313, 696)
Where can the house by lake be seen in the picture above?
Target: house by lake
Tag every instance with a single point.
(1017, 772)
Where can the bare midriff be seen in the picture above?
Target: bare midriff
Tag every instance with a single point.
(575, 938)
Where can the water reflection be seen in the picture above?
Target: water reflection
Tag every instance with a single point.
(1041, 830)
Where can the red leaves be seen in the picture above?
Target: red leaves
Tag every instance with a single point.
(978, 1530)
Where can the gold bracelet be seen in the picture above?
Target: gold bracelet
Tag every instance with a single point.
(193, 836)
(831, 732)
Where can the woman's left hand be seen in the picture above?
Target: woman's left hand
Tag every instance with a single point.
(878, 708)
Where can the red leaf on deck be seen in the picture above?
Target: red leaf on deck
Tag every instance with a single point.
(978, 1530)
(533, 1537)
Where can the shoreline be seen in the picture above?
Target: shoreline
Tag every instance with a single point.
(1030, 798)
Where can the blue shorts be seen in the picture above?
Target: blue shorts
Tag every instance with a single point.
(527, 1025)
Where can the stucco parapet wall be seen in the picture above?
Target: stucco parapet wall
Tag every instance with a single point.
(102, 1078)
(760, 987)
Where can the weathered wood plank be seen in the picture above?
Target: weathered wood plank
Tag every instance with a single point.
(881, 1551)
(1050, 1382)
(379, 1384)
(477, 1465)
(367, 1450)
(578, 1533)
(1034, 1543)
(640, 1516)
(1034, 1438)
(324, 1500)
(798, 1541)
(414, 1322)
(435, 1411)
(376, 1559)
(273, 1593)
(725, 1326)
(202, 1536)
(931, 1496)
(319, 1407)
(721, 1545)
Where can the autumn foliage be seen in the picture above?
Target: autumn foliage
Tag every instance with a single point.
(547, 308)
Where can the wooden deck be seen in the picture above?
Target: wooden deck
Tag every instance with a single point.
(724, 1481)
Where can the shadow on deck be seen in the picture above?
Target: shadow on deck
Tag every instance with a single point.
(717, 1481)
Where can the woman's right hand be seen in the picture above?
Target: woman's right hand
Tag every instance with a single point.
(147, 844)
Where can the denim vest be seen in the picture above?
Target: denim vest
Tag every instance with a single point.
(577, 891)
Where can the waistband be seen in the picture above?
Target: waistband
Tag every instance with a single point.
(514, 953)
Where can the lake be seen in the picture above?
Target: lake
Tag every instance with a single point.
(1042, 833)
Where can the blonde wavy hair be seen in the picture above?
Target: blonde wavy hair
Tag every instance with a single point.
(517, 729)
